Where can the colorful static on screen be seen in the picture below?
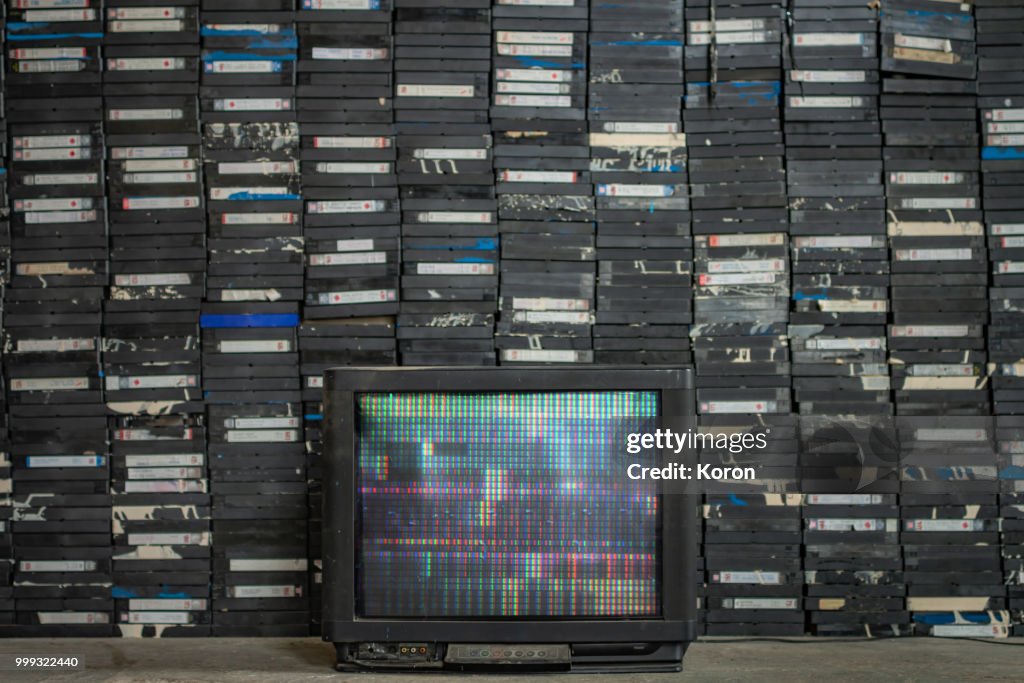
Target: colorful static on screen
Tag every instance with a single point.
(501, 505)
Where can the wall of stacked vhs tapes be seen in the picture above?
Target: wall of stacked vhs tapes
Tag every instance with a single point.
(819, 203)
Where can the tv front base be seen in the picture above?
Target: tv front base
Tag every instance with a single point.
(510, 657)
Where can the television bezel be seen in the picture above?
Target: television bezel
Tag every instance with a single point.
(341, 622)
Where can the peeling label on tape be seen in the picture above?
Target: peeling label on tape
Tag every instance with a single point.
(933, 254)
(930, 330)
(351, 142)
(747, 266)
(825, 102)
(262, 435)
(151, 203)
(829, 39)
(922, 43)
(346, 206)
(166, 114)
(533, 50)
(533, 100)
(756, 240)
(146, 26)
(550, 304)
(455, 269)
(165, 460)
(944, 525)
(455, 217)
(255, 346)
(154, 152)
(64, 461)
(827, 76)
(624, 190)
(374, 167)
(62, 179)
(252, 592)
(415, 90)
(365, 296)
(538, 176)
(839, 242)
(118, 382)
(843, 499)
(350, 53)
(283, 422)
(348, 259)
(268, 565)
(534, 75)
(54, 345)
(257, 167)
(845, 524)
(711, 280)
(752, 577)
(544, 356)
(253, 104)
(146, 64)
(49, 384)
(262, 218)
(729, 407)
(444, 153)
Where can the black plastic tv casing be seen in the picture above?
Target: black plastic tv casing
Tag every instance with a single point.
(342, 625)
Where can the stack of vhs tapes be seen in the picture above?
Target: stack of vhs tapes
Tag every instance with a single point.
(950, 526)
(251, 149)
(740, 348)
(151, 353)
(1002, 166)
(753, 578)
(545, 198)
(638, 166)
(7, 615)
(1010, 442)
(937, 247)
(738, 201)
(928, 38)
(837, 211)
(345, 95)
(449, 211)
(61, 522)
(349, 178)
(1000, 37)
(161, 527)
(251, 375)
(851, 525)
(853, 566)
(258, 479)
(151, 359)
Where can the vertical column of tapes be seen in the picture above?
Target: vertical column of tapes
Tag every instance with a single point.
(349, 183)
(1000, 36)
(837, 327)
(7, 614)
(545, 198)
(638, 166)
(939, 305)
(61, 525)
(151, 355)
(251, 373)
(449, 211)
(741, 304)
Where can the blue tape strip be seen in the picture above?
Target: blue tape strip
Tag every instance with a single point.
(213, 320)
(996, 153)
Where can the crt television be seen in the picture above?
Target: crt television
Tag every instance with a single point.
(482, 519)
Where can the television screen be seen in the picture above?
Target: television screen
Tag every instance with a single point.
(505, 505)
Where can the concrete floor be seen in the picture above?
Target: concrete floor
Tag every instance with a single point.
(284, 660)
